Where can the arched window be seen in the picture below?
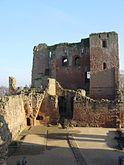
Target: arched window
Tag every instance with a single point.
(77, 61)
(104, 65)
(65, 61)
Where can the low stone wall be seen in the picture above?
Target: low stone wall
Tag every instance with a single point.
(12, 108)
(94, 113)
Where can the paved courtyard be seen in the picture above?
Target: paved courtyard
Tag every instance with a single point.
(75, 146)
(98, 146)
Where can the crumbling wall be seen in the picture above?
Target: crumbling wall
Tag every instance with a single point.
(32, 101)
(92, 65)
(40, 64)
(68, 60)
(48, 112)
(12, 85)
(71, 64)
(12, 121)
(94, 113)
(12, 108)
(5, 139)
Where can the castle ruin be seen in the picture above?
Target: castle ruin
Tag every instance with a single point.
(92, 65)
(72, 84)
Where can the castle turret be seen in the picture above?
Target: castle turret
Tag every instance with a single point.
(104, 65)
(40, 66)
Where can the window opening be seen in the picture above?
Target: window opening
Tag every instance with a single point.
(28, 122)
(104, 44)
(65, 61)
(87, 82)
(104, 65)
(50, 54)
(82, 50)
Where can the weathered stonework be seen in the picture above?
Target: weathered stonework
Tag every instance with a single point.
(93, 113)
(51, 87)
(92, 65)
(70, 71)
(60, 74)
(12, 85)
(48, 112)
(5, 140)
(76, 83)
(12, 121)
(104, 65)
(83, 110)
(12, 108)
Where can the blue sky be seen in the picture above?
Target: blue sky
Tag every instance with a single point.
(26, 23)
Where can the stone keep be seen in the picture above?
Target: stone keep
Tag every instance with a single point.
(91, 64)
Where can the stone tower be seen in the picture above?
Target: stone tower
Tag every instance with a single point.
(40, 66)
(104, 65)
(91, 64)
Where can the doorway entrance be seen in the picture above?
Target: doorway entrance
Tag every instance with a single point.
(65, 104)
(28, 122)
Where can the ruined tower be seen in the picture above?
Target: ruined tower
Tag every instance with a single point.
(12, 85)
(104, 65)
(92, 65)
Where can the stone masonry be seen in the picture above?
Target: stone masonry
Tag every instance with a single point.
(92, 65)
(104, 65)
(12, 85)
(72, 84)
(88, 69)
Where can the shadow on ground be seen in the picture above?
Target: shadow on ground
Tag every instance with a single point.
(56, 155)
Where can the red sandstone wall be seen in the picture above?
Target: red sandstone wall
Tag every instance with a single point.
(103, 82)
(71, 76)
(50, 58)
(97, 113)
